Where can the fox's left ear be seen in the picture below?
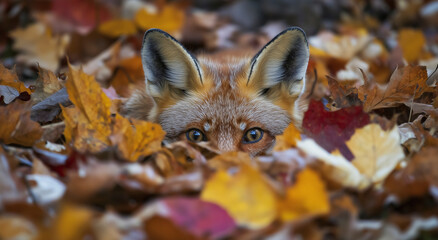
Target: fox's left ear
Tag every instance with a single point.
(282, 61)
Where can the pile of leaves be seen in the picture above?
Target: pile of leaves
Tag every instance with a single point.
(363, 166)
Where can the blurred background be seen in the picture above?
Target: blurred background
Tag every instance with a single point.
(104, 36)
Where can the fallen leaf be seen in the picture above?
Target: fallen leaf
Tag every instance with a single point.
(164, 229)
(17, 127)
(90, 125)
(17, 227)
(46, 189)
(50, 108)
(229, 159)
(246, 196)
(10, 78)
(46, 84)
(37, 45)
(128, 76)
(412, 42)
(198, 217)
(376, 152)
(307, 197)
(118, 27)
(288, 139)
(332, 129)
(405, 84)
(169, 18)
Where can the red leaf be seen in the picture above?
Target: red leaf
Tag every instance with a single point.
(332, 129)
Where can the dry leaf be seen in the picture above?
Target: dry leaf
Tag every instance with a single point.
(90, 125)
(288, 139)
(10, 78)
(128, 76)
(376, 152)
(37, 45)
(46, 85)
(118, 27)
(16, 126)
(246, 196)
(306, 197)
(405, 84)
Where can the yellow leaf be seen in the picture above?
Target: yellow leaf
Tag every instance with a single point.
(169, 19)
(376, 152)
(118, 27)
(229, 159)
(306, 198)
(90, 126)
(288, 139)
(246, 196)
(137, 140)
(37, 45)
(411, 42)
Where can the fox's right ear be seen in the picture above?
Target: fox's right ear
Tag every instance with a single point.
(168, 67)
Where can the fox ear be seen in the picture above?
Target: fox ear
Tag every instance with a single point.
(282, 61)
(167, 65)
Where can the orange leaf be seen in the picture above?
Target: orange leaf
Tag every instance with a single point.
(10, 78)
(118, 27)
(169, 19)
(16, 126)
(306, 198)
(411, 42)
(129, 76)
(405, 84)
(288, 139)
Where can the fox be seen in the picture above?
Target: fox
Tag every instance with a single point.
(234, 103)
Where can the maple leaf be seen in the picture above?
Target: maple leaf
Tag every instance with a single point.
(16, 126)
(246, 196)
(37, 45)
(405, 84)
(305, 198)
(331, 129)
(90, 125)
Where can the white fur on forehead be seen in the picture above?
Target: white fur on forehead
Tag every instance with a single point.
(223, 111)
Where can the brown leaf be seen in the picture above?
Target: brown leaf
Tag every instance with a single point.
(46, 85)
(17, 127)
(405, 84)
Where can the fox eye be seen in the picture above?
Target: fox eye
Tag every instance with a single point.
(253, 135)
(195, 135)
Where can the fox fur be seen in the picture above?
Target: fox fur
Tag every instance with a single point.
(223, 96)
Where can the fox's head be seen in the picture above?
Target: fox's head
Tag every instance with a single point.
(235, 103)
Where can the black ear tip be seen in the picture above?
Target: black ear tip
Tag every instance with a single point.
(295, 30)
(155, 31)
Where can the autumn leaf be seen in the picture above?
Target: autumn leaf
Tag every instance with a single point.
(288, 139)
(90, 125)
(37, 45)
(169, 18)
(16, 126)
(46, 84)
(412, 42)
(306, 197)
(331, 129)
(117, 27)
(128, 76)
(376, 152)
(246, 196)
(405, 84)
(11, 87)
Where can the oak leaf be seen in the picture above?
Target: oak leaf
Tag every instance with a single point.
(405, 84)
(16, 126)
(306, 197)
(246, 196)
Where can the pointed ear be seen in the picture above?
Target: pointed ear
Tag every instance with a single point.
(167, 65)
(282, 61)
